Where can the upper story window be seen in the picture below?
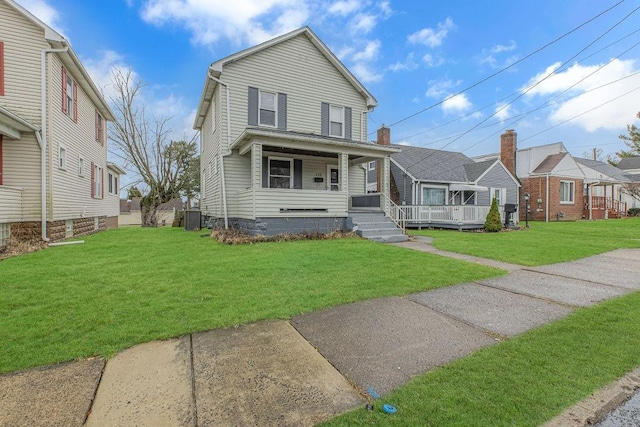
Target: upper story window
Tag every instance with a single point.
(100, 122)
(336, 121)
(567, 190)
(372, 166)
(268, 109)
(1, 68)
(69, 96)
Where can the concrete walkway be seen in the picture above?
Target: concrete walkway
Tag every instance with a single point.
(317, 365)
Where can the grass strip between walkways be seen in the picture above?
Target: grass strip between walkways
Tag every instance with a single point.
(542, 243)
(132, 285)
(523, 381)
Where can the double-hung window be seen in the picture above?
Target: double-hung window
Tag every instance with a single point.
(268, 109)
(110, 182)
(96, 181)
(434, 196)
(99, 128)
(69, 96)
(567, 190)
(336, 121)
(280, 172)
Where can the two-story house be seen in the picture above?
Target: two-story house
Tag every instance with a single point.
(55, 180)
(283, 129)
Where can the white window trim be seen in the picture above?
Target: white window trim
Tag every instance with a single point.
(62, 159)
(371, 166)
(110, 183)
(275, 106)
(572, 187)
(503, 195)
(71, 87)
(288, 159)
(333, 121)
(446, 192)
(97, 182)
(80, 165)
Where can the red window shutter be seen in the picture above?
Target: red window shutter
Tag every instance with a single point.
(1, 69)
(93, 186)
(97, 127)
(64, 90)
(102, 181)
(75, 102)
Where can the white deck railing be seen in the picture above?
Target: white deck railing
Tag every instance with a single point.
(447, 214)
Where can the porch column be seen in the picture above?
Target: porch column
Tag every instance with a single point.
(256, 166)
(384, 183)
(343, 160)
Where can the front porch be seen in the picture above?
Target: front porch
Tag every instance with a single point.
(459, 217)
(602, 207)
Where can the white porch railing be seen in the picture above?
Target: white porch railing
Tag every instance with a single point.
(447, 214)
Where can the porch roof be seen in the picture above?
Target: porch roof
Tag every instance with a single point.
(12, 124)
(310, 142)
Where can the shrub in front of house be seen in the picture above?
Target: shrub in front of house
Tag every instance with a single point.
(634, 212)
(493, 224)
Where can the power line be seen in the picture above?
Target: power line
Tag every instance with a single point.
(507, 67)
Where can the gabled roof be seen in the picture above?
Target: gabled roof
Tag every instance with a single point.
(603, 168)
(477, 169)
(550, 163)
(426, 164)
(69, 59)
(629, 163)
(216, 69)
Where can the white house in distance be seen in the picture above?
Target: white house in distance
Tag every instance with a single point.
(283, 138)
(55, 181)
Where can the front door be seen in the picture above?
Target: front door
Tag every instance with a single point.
(333, 178)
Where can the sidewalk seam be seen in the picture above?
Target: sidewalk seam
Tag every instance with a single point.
(95, 393)
(193, 382)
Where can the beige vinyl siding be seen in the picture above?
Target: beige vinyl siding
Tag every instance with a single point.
(23, 43)
(237, 171)
(357, 180)
(210, 197)
(269, 201)
(71, 193)
(297, 68)
(21, 169)
(10, 204)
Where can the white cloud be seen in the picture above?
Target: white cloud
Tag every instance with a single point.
(44, 12)
(369, 53)
(432, 62)
(344, 7)
(102, 68)
(438, 89)
(430, 37)
(588, 95)
(456, 103)
(499, 48)
(489, 56)
(365, 73)
(503, 112)
(385, 8)
(408, 64)
(363, 23)
(240, 21)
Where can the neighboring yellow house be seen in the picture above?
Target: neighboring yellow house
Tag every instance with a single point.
(55, 181)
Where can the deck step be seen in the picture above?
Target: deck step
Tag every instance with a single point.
(376, 226)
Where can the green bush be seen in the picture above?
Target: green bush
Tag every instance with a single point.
(634, 212)
(493, 224)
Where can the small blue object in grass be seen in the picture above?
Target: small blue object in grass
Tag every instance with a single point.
(389, 409)
(373, 393)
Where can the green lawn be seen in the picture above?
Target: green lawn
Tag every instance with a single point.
(523, 381)
(542, 243)
(132, 285)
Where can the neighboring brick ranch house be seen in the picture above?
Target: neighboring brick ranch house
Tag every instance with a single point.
(560, 187)
(55, 180)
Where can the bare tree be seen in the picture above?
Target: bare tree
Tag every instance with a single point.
(632, 189)
(143, 143)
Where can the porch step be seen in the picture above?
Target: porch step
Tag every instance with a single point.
(375, 226)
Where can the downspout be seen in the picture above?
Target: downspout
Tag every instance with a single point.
(546, 202)
(42, 139)
(222, 155)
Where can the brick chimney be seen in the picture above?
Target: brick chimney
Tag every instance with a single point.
(508, 150)
(384, 138)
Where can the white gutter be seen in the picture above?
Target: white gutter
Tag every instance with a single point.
(226, 153)
(42, 139)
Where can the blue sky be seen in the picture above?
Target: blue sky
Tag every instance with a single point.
(411, 55)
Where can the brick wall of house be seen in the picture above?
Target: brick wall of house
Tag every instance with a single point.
(537, 188)
(508, 150)
(111, 222)
(383, 138)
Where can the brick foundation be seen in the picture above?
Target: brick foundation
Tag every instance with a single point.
(56, 230)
